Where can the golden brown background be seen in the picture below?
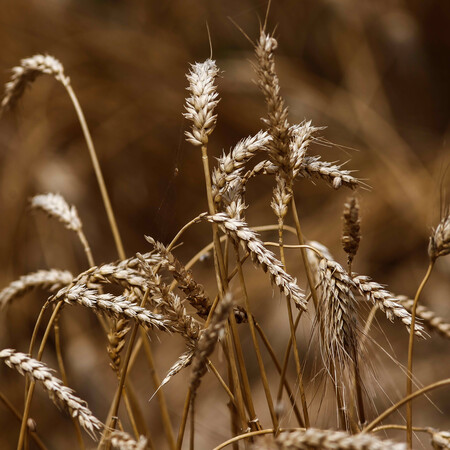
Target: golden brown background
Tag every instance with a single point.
(375, 73)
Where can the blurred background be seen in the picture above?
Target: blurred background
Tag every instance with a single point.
(375, 74)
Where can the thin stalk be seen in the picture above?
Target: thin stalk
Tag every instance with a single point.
(26, 411)
(123, 374)
(222, 382)
(410, 354)
(404, 400)
(184, 417)
(63, 372)
(262, 369)
(86, 247)
(315, 297)
(97, 170)
(192, 431)
(18, 416)
(161, 398)
(292, 337)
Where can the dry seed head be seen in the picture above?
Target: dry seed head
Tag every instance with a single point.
(61, 395)
(114, 306)
(440, 440)
(429, 318)
(202, 102)
(269, 84)
(440, 240)
(52, 280)
(351, 231)
(385, 300)
(241, 233)
(26, 73)
(282, 195)
(55, 206)
(313, 438)
(230, 165)
(338, 312)
(208, 340)
(123, 441)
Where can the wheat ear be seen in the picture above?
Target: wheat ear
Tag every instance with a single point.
(60, 394)
(440, 239)
(123, 441)
(51, 280)
(313, 438)
(351, 234)
(241, 233)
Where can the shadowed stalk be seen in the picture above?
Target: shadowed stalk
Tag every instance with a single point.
(63, 373)
(410, 354)
(26, 411)
(161, 398)
(18, 416)
(279, 369)
(262, 370)
(404, 400)
(293, 339)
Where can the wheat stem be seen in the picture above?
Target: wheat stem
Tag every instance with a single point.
(404, 400)
(410, 354)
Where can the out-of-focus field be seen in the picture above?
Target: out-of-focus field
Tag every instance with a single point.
(375, 74)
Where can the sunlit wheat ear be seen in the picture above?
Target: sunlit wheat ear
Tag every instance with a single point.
(208, 340)
(269, 84)
(202, 102)
(239, 232)
(116, 341)
(440, 440)
(313, 168)
(429, 318)
(338, 312)
(55, 206)
(113, 306)
(61, 395)
(26, 73)
(123, 441)
(195, 294)
(440, 239)
(313, 438)
(351, 234)
(230, 165)
(51, 280)
(386, 301)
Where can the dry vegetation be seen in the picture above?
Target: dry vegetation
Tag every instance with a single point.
(291, 352)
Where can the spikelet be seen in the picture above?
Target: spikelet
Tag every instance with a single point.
(26, 73)
(440, 440)
(51, 280)
(61, 395)
(55, 206)
(208, 340)
(440, 239)
(239, 231)
(313, 438)
(123, 441)
(202, 102)
(351, 231)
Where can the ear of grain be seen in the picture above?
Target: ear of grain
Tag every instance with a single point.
(385, 300)
(208, 340)
(313, 438)
(51, 280)
(440, 440)
(351, 234)
(26, 73)
(55, 206)
(201, 104)
(239, 232)
(61, 395)
(123, 441)
(440, 239)
(429, 318)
